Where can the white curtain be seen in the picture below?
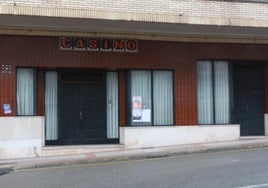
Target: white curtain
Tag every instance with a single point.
(141, 86)
(51, 105)
(25, 91)
(222, 93)
(112, 104)
(205, 92)
(213, 92)
(163, 97)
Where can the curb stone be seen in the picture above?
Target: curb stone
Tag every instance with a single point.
(117, 156)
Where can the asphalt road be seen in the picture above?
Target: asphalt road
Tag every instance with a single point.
(243, 169)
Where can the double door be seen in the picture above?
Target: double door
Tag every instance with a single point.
(82, 110)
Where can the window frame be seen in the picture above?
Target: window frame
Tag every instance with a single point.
(35, 90)
(230, 91)
(129, 99)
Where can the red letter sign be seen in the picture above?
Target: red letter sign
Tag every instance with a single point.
(66, 42)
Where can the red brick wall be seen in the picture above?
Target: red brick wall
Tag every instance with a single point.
(44, 53)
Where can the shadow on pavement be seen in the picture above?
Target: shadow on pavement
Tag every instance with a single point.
(5, 169)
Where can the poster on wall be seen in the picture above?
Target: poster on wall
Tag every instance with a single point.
(7, 109)
(138, 113)
(146, 115)
(137, 109)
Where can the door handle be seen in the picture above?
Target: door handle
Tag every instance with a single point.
(81, 115)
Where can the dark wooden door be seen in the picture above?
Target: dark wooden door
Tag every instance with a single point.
(82, 112)
(248, 82)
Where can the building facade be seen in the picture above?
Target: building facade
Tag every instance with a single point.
(136, 73)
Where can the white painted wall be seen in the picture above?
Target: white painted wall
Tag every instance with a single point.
(266, 124)
(24, 136)
(136, 137)
(21, 136)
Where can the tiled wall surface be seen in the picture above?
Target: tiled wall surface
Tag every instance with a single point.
(211, 12)
(43, 53)
(7, 87)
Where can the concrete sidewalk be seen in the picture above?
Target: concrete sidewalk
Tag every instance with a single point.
(128, 154)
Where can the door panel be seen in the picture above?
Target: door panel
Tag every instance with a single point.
(248, 81)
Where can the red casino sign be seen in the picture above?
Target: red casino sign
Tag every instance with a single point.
(98, 44)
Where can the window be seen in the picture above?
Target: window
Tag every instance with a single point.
(112, 105)
(51, 105)
(213, 92)
(150, 97)
(26, 91)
